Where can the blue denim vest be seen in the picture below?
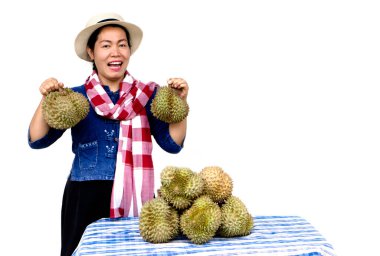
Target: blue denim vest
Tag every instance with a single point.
(95, 141)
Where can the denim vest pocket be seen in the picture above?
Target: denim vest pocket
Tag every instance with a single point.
(88, 155)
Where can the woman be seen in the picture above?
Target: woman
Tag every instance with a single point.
(112, 170)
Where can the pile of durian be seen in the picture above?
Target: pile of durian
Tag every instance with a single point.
(167, 106)
(63, 109)
(199, 205)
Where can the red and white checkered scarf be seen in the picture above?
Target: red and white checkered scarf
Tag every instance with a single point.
(134, 173)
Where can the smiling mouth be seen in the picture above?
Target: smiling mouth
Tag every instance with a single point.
(115, 64)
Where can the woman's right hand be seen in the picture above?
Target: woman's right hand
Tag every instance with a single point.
(50, 85)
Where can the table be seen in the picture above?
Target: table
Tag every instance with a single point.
(271, 235)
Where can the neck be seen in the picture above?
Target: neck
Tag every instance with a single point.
(113, 87)
(112, 83)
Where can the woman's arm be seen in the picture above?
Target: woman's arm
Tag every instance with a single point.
(178, 131)
(38, 127)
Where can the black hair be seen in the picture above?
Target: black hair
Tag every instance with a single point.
(94, 36)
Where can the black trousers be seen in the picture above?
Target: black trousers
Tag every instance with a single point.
(83, 203)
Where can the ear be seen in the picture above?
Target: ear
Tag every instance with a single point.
(90, 53)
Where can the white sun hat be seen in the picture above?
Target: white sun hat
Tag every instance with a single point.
(101, 20)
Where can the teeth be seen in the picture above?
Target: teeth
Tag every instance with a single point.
(115, 63)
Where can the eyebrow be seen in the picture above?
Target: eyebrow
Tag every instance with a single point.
(109, 41)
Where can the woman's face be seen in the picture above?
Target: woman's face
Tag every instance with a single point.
(111, 55)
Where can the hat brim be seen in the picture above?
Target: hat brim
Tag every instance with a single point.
(81, 40)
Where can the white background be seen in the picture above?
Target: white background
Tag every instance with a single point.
(284, 95)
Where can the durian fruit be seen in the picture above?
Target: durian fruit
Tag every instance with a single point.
(218, 184)
(158, 221)
(236, 220)
(63, 109)
(168, 106)
(180, 186)
(201, 221)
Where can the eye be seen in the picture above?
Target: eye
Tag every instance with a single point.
(105, 46)
(123, 45)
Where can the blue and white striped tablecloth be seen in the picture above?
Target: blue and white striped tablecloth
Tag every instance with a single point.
(271, 235)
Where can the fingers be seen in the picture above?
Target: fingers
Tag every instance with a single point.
(50, 85)
(179, 84)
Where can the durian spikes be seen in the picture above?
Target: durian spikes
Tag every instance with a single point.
(63, 109)
(180, 186)
(159, 222)
(218, 184)
(168, 106)
(201, 221)
(236, 220)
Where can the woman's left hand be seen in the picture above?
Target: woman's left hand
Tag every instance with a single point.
(180, 85)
